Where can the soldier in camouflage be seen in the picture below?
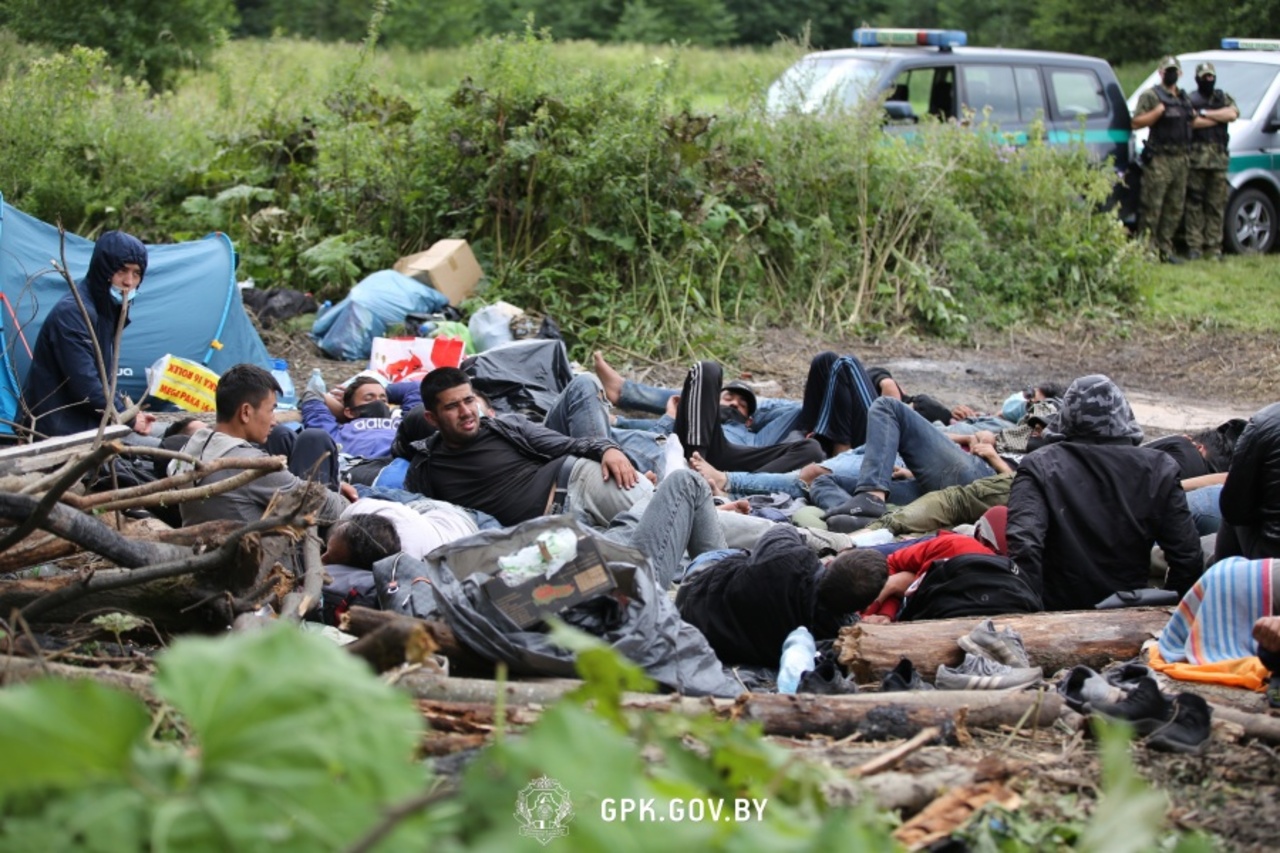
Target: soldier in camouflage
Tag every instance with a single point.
(1207, 186)
(1167, 110)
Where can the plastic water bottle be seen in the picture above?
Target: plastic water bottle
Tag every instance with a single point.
(323, 307)
(316, 383)
(798, 654)
(288, 398)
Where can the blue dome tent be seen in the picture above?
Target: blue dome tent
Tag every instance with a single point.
(189, 306)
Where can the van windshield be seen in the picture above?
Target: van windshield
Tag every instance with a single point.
(822, 84)
(1247, 82)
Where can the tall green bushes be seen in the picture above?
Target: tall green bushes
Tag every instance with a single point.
(603, 198)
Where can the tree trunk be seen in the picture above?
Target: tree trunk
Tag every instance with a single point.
(361, 621)
(1053, 641)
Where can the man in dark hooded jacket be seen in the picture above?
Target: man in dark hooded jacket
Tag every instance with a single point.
(64, 391)
(1085, 510)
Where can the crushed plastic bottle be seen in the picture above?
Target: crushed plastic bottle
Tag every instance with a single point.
(288, 398)
(316, 383)
(551, 550)
(798, 654)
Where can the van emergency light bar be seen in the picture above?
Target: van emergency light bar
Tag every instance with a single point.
(1251, 44)
(874, 37)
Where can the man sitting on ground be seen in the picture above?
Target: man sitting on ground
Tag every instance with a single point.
(246, 402)
(361, 421)
(1084, 511)
(512, 468)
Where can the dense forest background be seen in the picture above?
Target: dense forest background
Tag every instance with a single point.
(162, 35)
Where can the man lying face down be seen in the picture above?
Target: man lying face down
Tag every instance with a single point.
(748, 602)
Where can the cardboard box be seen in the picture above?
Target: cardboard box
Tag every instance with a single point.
(449, 266)
(402, 359)
(577, 580)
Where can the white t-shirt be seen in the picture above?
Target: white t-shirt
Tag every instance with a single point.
(422, 530)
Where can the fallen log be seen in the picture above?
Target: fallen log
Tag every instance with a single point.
(1053, 641)
(394, 644)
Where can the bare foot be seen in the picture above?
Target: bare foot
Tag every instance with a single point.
(741, 507)
(609, 378)
(811, 472)
(716, 479)
(651, 477)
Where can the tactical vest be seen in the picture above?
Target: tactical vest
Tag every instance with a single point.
(1172, 133)
(1217, 135)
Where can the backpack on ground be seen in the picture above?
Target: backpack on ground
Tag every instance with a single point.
(971, 585)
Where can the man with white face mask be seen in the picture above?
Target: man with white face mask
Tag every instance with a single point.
(64, 391)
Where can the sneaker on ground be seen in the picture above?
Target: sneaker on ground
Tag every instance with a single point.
(1001, 646)
(904, 677)
(1126, 677)
(1144, 706)
(1188, 730)
(863, 503)
(826, 679)
(1083, 688)
(982, 673)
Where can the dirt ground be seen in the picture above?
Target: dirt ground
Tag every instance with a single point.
(1178, 379)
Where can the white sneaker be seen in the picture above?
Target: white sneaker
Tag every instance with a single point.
(982, 673)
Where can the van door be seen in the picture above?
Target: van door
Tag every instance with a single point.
(1009, 97)
(1079, 110)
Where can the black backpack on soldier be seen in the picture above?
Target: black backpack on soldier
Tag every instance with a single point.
(971, 585)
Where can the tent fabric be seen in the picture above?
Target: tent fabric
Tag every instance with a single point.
(189, 304)
(346, 331)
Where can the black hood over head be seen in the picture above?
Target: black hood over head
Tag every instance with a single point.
(111, 252)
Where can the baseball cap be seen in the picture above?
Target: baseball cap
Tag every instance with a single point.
(1169, 62)
(740, 387)
(1205, 68)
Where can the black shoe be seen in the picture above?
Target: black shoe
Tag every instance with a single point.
(903, 677)
(1083, 688)
(1145, 707)
(1128, 676)
(863, 504)
(848, 523)
(136, 512)
(1188, 730)
(826, 679)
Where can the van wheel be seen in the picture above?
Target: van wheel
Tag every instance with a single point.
(1251, 223)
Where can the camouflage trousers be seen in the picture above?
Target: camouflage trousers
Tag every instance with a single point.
(948, 507)
(1207, 191)
(1164, 189)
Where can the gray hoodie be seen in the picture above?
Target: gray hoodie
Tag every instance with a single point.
(248, 502)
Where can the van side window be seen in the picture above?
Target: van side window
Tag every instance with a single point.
(991, 86)
(1076, 92)
(931, 90)
(1030, 93)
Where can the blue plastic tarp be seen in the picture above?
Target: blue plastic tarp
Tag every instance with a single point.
(346, 331)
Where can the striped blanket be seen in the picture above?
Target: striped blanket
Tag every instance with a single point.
(1214, 621)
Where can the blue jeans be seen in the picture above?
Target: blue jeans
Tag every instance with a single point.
(581, 411)
(1203, 503)
(894, 429)
(678, 516)
(831, 490)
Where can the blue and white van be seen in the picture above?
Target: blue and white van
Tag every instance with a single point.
(1249, 71)
(932, 72)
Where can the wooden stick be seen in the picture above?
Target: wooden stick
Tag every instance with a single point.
(894, 757)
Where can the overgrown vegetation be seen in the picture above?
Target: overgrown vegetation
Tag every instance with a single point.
(278, 740)
(608, 200)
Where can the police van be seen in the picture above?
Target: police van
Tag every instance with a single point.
(933, 72)
(1249, 71)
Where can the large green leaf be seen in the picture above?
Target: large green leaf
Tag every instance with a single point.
(66, 734)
